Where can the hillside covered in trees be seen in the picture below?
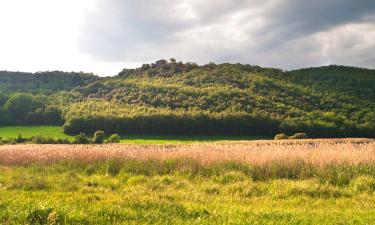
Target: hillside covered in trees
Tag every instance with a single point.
(183, 98)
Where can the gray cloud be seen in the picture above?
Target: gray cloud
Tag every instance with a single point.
(280, 33)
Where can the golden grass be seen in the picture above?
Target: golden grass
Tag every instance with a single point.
(317, 152)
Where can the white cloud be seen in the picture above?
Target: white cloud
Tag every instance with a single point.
(42, 35)
(103, 36)
(279, 33)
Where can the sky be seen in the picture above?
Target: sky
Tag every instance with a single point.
(105, 36)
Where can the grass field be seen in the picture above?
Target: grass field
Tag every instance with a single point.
(28, 131)
(261, 182)
(57, 132)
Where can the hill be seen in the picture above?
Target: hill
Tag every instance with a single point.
(173, 97)
(42, 82)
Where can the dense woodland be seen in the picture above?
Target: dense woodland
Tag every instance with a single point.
(183, 98)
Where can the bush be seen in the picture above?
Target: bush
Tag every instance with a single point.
(20, 139)
(37, 139)
(114, 138)
(99, 137)
(20, 104)
(299, 136)
(81, 139)
(281, 136)
(63, 141)
(42, 140)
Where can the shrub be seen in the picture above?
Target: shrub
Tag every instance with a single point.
(114, 138)
(299, 136)
(281, 137)
(81, 139)
(20, 139)
(37, 139)
(42, 140)
(63, 141)
(99, 137)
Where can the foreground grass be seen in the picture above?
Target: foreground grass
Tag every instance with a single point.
(185, 192)
(264, 182)
(57, 132)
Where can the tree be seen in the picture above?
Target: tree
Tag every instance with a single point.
(114, 138)
(20, 104)
(81, 139)
(99, 137)
(3, 98)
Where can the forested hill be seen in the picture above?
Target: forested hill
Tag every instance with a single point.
(175, 97)
(42, 82)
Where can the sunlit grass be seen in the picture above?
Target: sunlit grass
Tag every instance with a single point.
(261, 182)
(29, 131)
(133, 193)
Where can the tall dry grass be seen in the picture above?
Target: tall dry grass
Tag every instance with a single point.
(316, 152)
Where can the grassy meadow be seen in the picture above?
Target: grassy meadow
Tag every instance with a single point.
(257, 182)
(57, 132)
(29, 131)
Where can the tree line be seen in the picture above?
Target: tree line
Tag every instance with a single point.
(27, 109)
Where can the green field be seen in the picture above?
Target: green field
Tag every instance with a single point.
(137, 193)
(29, 131)
(57, 132)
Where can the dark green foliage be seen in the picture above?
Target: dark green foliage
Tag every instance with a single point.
(33, 106)
(47, 140)
(173, 97)
(116, 118)
(39, 139)
(81, 139)
(99, 137)
(322, 102)
(114, 138)
(20, 105)
(20, 139)
(42, 82)
(28, 109)
(3, 98)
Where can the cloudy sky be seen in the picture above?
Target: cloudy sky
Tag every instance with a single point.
(104, 36)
